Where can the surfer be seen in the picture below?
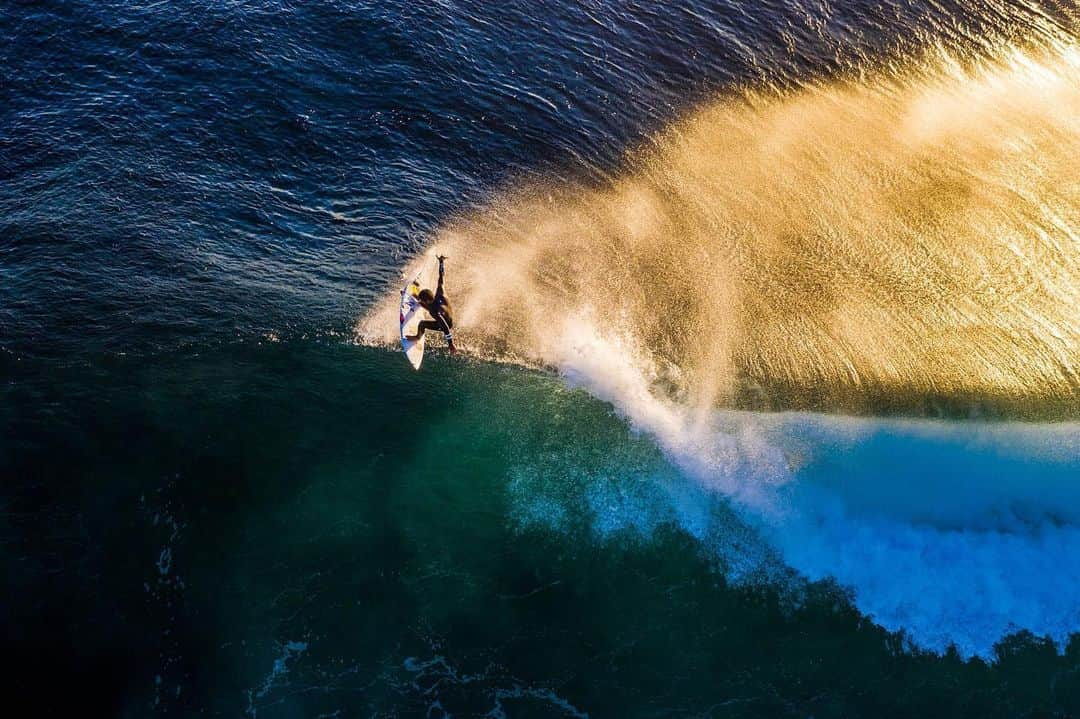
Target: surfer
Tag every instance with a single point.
(439, 308)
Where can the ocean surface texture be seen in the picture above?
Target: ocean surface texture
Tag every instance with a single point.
(768, 403)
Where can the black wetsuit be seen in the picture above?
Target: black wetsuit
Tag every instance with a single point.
(440, 312)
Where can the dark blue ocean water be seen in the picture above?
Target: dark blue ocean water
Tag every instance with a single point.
(215, 502)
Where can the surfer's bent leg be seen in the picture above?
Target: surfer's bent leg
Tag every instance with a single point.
(444, 324)
(425, 325)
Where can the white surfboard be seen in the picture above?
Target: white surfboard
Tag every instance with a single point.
(411, 312)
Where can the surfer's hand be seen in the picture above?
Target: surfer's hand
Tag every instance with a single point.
(453, 350)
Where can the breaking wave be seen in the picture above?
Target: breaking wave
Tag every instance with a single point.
(907, 242)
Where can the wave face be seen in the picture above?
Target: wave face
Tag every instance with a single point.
(863, 246)
(901, 242)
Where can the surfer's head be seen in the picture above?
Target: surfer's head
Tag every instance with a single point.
(425, 297)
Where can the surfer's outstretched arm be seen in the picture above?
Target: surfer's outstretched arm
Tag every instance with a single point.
(442, 271)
